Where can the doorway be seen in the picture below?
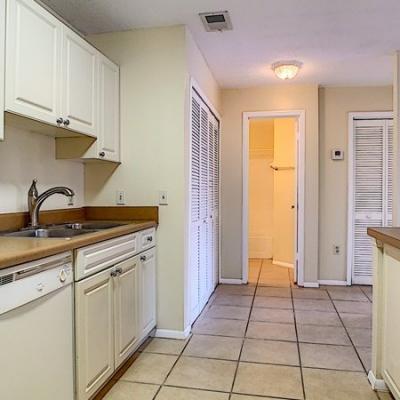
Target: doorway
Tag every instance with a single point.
(273, 195)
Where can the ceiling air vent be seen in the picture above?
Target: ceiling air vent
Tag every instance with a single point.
(216, 21)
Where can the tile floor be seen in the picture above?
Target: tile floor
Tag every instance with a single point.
(266, 340)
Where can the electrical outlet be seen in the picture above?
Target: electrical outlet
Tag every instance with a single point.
(163, 198)
(120, 198)
(336, 249)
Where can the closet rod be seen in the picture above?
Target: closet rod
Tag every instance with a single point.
(280, 168)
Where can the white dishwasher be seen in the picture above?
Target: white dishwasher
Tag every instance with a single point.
(36, 330)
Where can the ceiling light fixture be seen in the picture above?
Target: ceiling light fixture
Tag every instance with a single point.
(286, 69)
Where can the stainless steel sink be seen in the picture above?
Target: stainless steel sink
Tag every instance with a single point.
(64, 230)
(49, 233)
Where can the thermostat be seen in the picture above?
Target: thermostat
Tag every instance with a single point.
(337, 154)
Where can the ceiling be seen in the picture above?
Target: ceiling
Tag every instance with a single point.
(340, 42)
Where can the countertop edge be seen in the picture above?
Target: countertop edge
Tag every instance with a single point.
(390, 236)
(50, 246)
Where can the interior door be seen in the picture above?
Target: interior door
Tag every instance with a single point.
(33, 61)
(126, 298)
(372, 190)
(79, 95)
(2, 61)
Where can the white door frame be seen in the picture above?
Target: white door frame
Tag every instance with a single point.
(300, 183)
(350, 180)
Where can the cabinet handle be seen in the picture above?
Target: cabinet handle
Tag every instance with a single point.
(149, 238)
(114, 274)
(118, 271)
(143, 258)
(59, 121)
(102, 154)
(66, 122)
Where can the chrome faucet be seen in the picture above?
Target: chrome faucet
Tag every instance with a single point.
(35, 200)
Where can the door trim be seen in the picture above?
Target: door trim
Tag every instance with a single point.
(300, 184)
(353, 116)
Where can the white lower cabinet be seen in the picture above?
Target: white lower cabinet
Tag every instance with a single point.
(94, 325)
(147, 272)
(115, 309)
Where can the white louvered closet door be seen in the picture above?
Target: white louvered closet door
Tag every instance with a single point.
(203, 190)
(372, 174)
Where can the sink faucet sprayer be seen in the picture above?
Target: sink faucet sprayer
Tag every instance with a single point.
(35, 200)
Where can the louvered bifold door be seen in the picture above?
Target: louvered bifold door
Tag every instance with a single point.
(195, 223)
(389, 174)
(372, 160)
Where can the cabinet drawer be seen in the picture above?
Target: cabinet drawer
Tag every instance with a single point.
(96, 257)
(147, 239)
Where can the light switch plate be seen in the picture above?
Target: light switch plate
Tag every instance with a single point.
(162, 198)
(120, 197)
(337, 154)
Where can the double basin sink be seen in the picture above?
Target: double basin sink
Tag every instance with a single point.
(63, 230)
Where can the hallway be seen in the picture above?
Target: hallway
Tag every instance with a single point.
(266, 340)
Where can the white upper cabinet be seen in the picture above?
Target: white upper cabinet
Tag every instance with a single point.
(33, 50)
(2, 72)
(108, 135)
(79, 83)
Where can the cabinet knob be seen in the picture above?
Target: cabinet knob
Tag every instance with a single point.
(60, 121)
(102, 154)
(114, 274)
(118, 271)
(66, 122)
(149, 238)
(143, 258)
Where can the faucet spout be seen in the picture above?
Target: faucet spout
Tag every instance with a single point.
(35, 201)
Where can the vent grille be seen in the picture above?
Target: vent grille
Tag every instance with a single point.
(216, 21)
(6, 279)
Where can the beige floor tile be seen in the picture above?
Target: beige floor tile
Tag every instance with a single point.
(274, 283)
(309, 293)
(270, 352)
(172, 393)
(367, 290)
(336, 385)
(365, 354)
(150, 368)
(360, 336)
(232, 300)
(385, 396)
(130, 390)
(356, 320)
(349, 293)
(268, 380)
(353, 307)
(226, 348)
(270, 330)
(273, 292)
(165, 346)
(223, 327)
(202, 373)
(246, 397)
(272, 315)
(242, 290)
(323, 334)
(228, 312)
(313, 305)
(317, 318)
(273, 302)
(342, 358)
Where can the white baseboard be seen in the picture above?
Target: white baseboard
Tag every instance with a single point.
(331, 282)
(170, 334)
(311, 284)
(282, 263)
(230, 281)
(377, 384)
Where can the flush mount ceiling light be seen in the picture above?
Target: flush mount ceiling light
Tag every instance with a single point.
(286, 69)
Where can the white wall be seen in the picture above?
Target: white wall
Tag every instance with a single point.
(25, 156)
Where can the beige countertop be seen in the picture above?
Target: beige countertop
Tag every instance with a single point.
(389, 236)
(17, 250)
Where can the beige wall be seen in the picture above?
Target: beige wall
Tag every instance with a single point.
(269, 98)
(284, 190)
(335, 104)
(156, 66)
(261, 188)
(25, 156)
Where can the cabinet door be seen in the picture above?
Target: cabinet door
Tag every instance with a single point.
(94, 324)
(126, 309)
(147, 291)
(33, 51)
(2, 47)
(108, 136)
(79, 94)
